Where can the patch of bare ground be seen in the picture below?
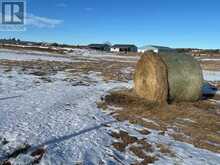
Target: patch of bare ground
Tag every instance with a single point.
(36, 154)
(210, 65)
(130, 54)
(166, 150)
(195, 123)
(139, 147)
(109, 70)
(33, 48)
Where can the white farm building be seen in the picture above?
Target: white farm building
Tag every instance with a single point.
(124, 48)
(154, 48)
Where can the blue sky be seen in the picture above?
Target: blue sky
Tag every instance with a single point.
(175, 23)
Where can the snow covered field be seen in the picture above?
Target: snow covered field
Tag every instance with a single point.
(207, 59)
(30, 57)
(62, 116)
(211, 75)
(77, 55)
(56, 114)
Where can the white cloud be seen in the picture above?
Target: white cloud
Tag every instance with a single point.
(42, 22)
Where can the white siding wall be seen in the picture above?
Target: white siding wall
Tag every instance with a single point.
(115, 50)
(148, 49)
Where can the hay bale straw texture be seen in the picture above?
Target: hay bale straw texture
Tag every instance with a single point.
(185, 77)
(168, 77)
(150, 79)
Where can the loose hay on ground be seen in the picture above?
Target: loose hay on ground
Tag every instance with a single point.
(195, 123)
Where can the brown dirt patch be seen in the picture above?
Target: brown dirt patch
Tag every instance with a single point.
(109, 70)
(165, 150)
(210, 65)
(139, 147)
(196, 123)
(33, 48)
(124, 137)
(139, 152)
(38, 155)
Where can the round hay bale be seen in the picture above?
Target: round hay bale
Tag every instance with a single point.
(150, 79)
(185, 77)
(168, 77)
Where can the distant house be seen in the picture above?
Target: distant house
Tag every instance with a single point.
(196, 50)
(154, 48)
(101, 47)
(124, 48)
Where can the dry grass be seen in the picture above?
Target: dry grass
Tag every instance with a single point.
(210, 65)
(205, 116)
(109, 70)
(151, 78)
(127, 142)
(37, 154)
(33, 48)
(165, 150)
(129, 54)
(196, 123)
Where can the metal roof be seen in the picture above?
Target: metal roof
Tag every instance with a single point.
(154, 46)
(98, 45)
(123, 46)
